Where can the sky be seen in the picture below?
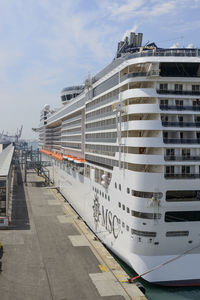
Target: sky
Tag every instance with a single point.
(46, 45)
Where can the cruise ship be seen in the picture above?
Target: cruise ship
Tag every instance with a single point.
(124, 150)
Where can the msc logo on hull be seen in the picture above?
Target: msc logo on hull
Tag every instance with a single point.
(105, 218)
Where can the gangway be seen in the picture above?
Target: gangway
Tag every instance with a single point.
(29, 160)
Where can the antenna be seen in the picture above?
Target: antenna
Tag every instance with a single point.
(182, 38)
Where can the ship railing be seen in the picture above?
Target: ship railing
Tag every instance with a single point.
(176, 92)
(70, 133)
(181, 124)
(168, 52)
(134, 74)
(68, 138)
(100, 128)
(107, 100)
(182, 176)
(181, 141)
(140, 74)
(181, 158)
(107, 153)
(98, 140)
(179, 107)
(71, 120)
(110, 113)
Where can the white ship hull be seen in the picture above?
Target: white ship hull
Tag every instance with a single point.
(102, 216)
(125, 152)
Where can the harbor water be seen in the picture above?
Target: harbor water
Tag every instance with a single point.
(156, 292)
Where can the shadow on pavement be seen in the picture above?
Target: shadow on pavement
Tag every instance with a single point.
(19, 212)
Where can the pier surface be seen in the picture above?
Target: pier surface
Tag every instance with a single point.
(49, 253)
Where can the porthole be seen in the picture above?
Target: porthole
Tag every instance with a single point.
(128, 210)
(119, 204)
(128, 191)
(123, 207)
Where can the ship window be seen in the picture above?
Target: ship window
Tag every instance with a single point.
(144, 194)
(195, 88)
(128, 210)
(169, 169)
(123, 207)
(119, 204)
(103, 194)
(179, 103)
(164, 102)
(177, 233)
(123, 224)
(176, 196)
(127, 227)
(115, 184)
(182, 216)
(165, 134)
(100, 193)
(120, 187)
(163, 86)
(128, 191)
(119, 221)
(180, 118)
(178, 87)
(108, 198)
(170, 152)
(143, 233)
(143, 215)
(197, 119)
(185, 169)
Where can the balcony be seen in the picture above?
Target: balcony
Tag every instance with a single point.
(101, 128)
(181, 124)
(180, 107)
(173, 92)
(182, 176)
(181, 141)
(137, 74)
(181, 158)
(101, 140)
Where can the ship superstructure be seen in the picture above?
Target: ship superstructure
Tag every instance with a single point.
(125, 153)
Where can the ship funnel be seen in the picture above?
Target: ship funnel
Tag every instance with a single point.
(132, 39)
(135, 40)
(140, 35)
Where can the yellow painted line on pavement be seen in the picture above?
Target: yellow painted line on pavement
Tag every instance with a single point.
(103, 268)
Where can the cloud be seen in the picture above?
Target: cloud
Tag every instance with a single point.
(127, 32)
(126, 8)
(145, 8)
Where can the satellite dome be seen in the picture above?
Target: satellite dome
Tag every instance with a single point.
(190, 46)
(46, 107)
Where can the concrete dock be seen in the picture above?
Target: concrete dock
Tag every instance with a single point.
(49, 253)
